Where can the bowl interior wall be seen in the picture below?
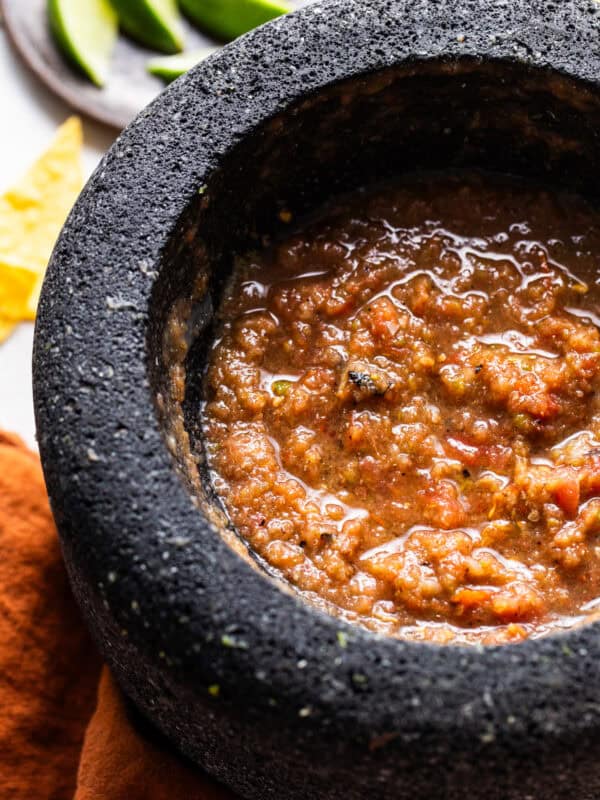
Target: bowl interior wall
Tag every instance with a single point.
(425, 115)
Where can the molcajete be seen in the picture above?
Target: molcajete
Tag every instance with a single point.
(271, 695)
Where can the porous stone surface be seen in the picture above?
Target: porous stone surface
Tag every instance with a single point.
(275, 698)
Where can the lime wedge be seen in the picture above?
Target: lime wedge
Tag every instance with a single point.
(155, 23)
(170, 67)
(228, 19)
(86, 32)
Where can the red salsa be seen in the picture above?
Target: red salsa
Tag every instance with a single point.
(402, 411)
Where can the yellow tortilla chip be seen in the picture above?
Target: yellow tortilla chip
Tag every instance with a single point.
(33, 211)
(6, 328)
(16, 286)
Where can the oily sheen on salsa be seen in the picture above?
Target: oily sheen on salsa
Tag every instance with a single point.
(402, 412)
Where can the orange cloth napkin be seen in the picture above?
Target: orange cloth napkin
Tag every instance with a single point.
(66, 733)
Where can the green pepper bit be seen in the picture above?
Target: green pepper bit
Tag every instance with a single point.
(280, 388)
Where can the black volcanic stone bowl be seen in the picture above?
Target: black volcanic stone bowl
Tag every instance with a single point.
(275, 698)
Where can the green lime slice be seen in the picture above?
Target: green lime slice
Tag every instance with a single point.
(86, 32)
(155, 23)
(228, 19)
(170, 67)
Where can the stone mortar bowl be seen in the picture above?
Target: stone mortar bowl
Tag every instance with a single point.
(272, 696)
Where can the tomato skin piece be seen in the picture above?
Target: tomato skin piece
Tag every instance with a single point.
(443, 506)
(382, 318)
(506, 604)
(517, 603)
(471, 599)
(468, 453)
(540, 404)
(592, 481)
(565, 489)
(472, 455)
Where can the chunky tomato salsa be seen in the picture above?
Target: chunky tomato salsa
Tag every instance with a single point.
(402, 414)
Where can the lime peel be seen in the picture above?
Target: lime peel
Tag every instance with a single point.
(154, 23)
(171, 67)
(228, 19)
(86, 32)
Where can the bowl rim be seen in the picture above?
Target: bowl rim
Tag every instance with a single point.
(110, 476)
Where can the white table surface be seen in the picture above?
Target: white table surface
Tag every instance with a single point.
(30, 116)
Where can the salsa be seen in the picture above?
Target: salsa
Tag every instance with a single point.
(402, 414)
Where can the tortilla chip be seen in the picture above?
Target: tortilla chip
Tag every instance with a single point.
(6, 328)
(16, 286)
(33, 212)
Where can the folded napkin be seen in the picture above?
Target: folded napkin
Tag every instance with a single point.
(66, 732)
